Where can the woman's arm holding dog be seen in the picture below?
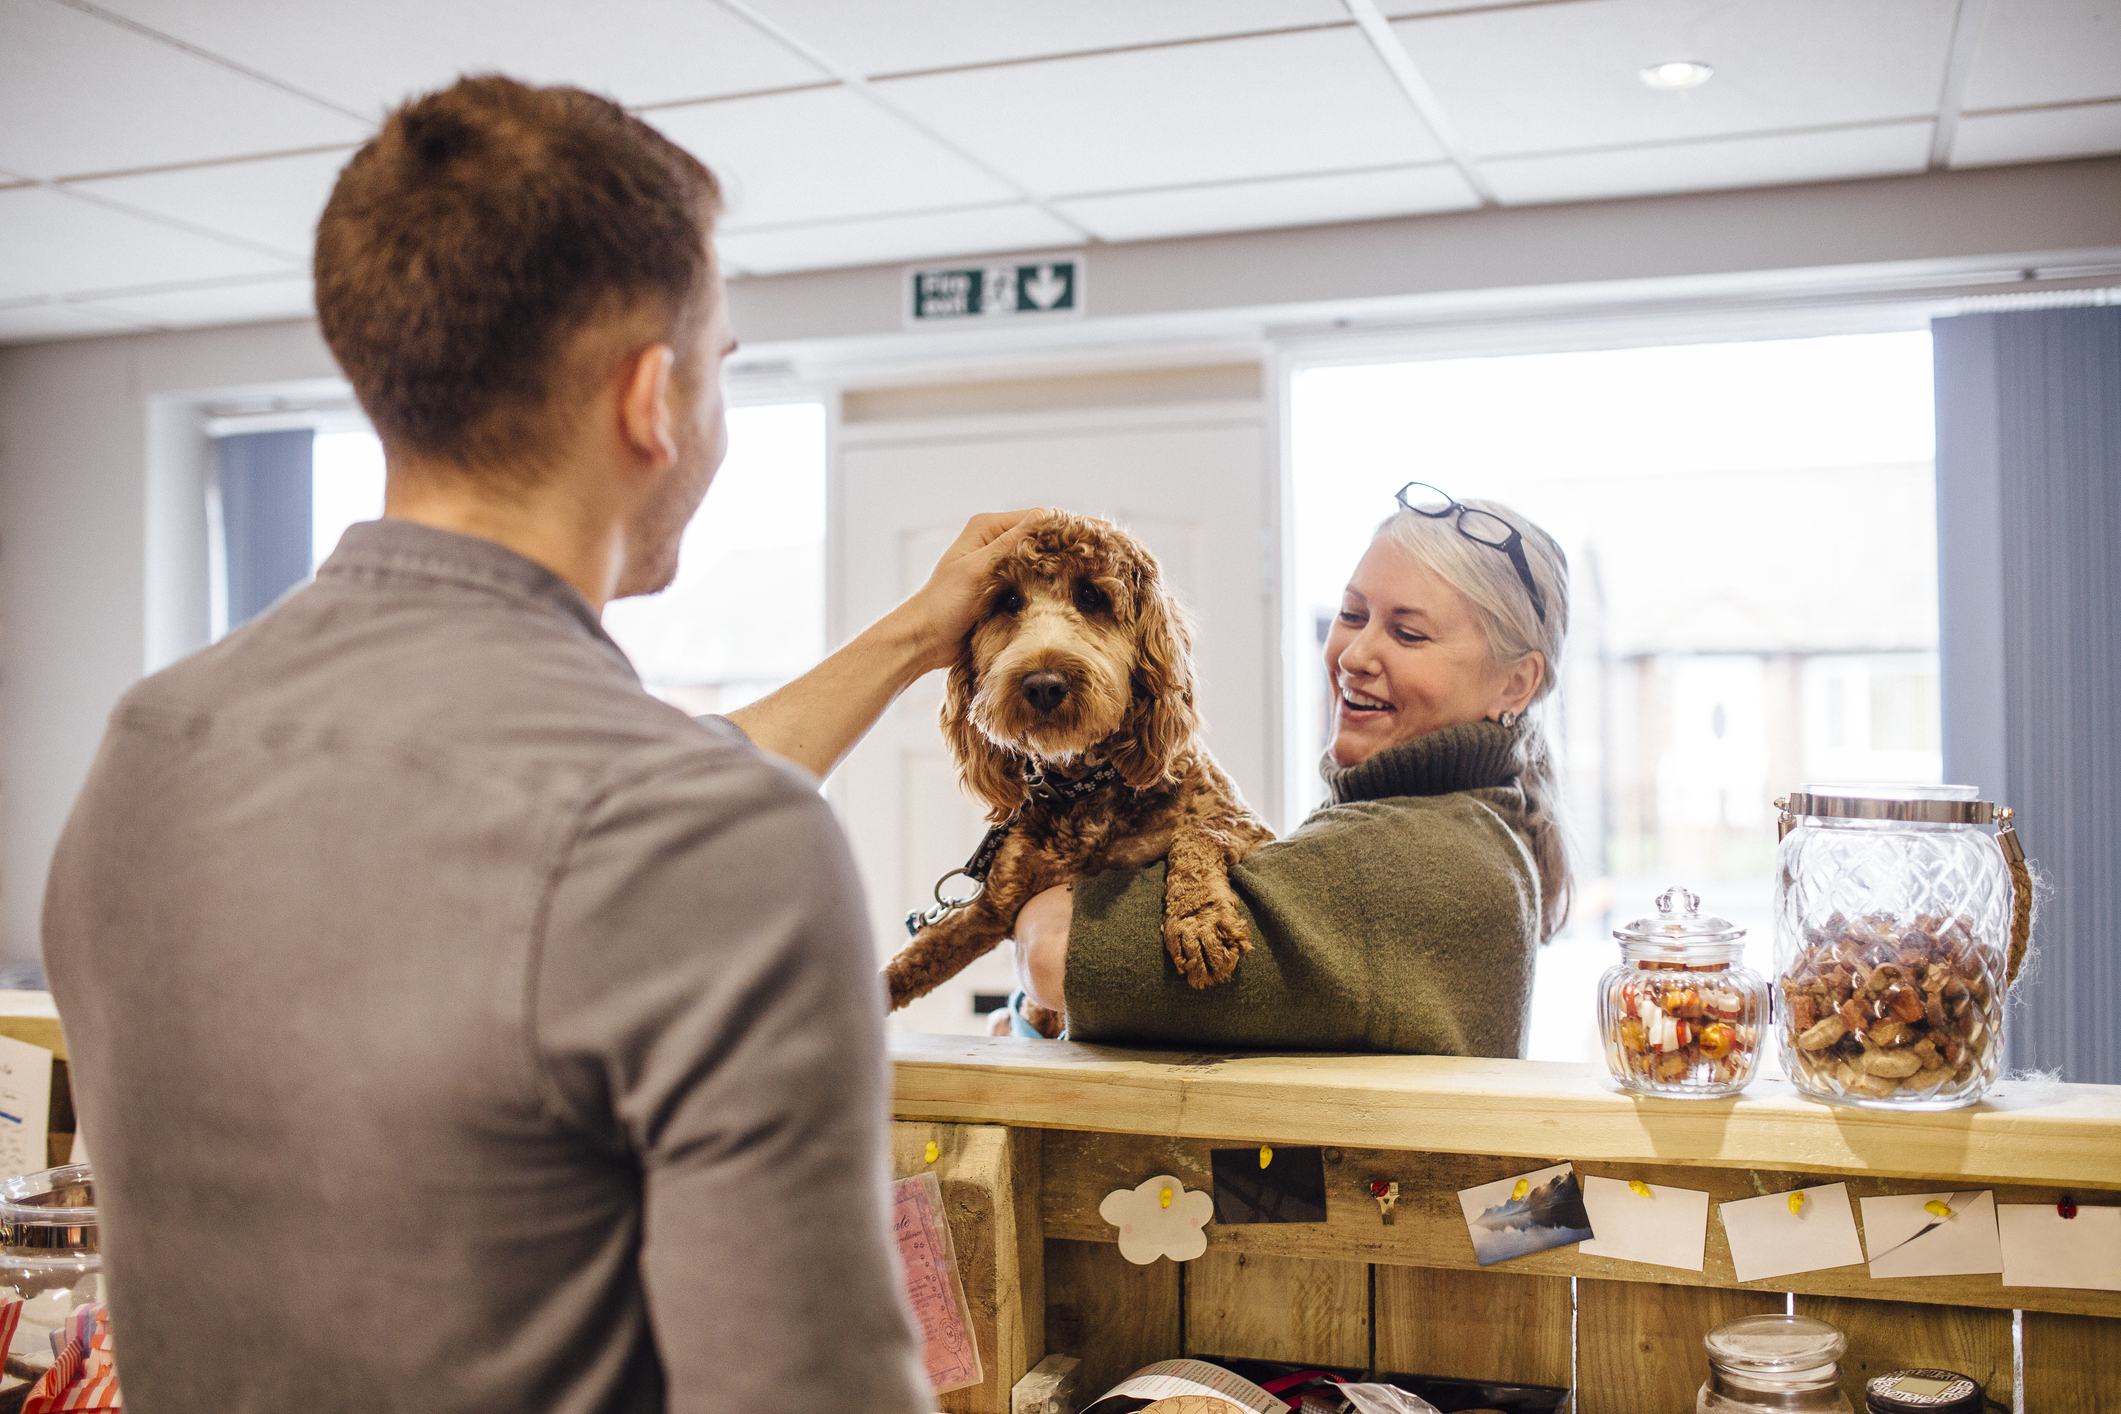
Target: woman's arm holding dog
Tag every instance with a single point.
(817, 719)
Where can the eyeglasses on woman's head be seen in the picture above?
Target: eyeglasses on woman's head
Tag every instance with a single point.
(1482, 528)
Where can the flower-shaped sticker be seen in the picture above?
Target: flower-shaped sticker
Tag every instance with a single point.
(1158, 1218)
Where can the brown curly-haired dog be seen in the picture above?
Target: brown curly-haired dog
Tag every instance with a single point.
(1070, 712)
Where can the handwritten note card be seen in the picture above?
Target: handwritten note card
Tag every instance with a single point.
(2043, 1248)
(25, 1106)
(932, 1282)
(1665, 1227)
(1771, 1239)
(1908, 1237)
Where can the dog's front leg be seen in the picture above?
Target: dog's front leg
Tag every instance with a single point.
(944, 949)
(1204, 925)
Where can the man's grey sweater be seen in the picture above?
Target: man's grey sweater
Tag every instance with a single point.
(457, 1027)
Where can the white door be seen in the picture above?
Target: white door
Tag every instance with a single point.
(1191, 482)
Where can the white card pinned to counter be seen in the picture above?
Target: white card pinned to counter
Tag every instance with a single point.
(936, 1291)
(1664, 1227)
(1769, 1240)
(1907, 1237)
(25, 1106)
(2043, 1248)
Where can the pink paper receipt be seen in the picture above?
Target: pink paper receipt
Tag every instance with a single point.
(932, 1284)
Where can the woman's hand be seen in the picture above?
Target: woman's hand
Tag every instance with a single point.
(1042, 947)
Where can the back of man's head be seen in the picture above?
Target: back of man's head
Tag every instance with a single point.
(472, 241)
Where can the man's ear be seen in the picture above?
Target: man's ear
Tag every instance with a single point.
(647, 421)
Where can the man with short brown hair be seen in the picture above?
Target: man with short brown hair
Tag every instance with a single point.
(459, 1027)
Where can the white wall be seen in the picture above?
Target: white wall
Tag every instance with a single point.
(101, 551)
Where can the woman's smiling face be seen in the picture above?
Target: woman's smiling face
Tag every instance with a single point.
(1407, 655)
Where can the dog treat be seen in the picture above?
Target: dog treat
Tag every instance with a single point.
(1684, 1027)
(1879, 1008)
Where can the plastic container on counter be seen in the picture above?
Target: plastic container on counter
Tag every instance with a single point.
(1783, 1364)
(1682, 1017)
(49, 1258)
(1895, 941)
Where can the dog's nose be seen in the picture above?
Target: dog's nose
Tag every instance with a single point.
(1045, 691)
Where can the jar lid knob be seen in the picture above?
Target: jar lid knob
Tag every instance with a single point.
(1693, 901)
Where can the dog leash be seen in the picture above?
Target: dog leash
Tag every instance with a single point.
(1040, 787)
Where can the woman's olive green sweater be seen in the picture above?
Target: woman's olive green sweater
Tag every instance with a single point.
(1402, 916)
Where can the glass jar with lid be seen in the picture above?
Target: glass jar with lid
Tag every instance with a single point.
(1899, 926)
(1778, 1363)
(1682, 1017)
(50, 1260)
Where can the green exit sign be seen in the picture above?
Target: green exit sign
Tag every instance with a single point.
(998, 291)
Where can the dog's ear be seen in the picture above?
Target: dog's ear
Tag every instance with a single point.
(993, 776)
(1161, 718)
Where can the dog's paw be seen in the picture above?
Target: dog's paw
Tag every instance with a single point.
(1049, 1024)
(1206, 945)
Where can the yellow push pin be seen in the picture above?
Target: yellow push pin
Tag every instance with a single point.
(1266, 1156)
(1938, 1209)
(1641, 1189)
(1164, 1196)
(1796, 1202)
(1524, 1186)
(934, 1151)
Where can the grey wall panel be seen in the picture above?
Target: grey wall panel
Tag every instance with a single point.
(2029, 434)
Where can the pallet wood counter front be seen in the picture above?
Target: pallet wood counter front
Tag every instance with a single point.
(1409, 1296)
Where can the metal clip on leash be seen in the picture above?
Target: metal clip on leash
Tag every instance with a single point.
(982, 861)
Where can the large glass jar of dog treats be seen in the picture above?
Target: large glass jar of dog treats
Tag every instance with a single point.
(49, 1260)
(1682, 1016)
(1899, 926)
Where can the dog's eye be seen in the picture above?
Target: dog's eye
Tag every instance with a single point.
(1092, 600)
(1008, 601)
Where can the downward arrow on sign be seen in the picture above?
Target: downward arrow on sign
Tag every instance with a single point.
(1045, 288)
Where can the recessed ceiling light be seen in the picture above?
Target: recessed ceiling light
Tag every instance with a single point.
(1680, 73)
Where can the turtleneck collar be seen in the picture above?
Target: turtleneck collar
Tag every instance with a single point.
(1468, 756)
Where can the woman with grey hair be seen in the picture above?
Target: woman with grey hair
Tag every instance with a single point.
(1404, 914)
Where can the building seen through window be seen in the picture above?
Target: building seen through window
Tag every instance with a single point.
(1751, 531)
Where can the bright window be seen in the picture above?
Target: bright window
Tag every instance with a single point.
(747, 611)
(1751, 531)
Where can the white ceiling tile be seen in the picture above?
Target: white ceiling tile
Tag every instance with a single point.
(2038, 135)
(53, 244)
(1394, 9)
(79, 95)
(1549, 78)
(898, 36)
(821, 154)
(1236, 109)
(27, 323)
(250, 302)
(2046, 51)
(373, 55)
(1773, 160)
(922, 236)
(1289, 201)
(274, 201)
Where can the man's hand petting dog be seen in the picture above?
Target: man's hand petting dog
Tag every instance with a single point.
(1070, 712)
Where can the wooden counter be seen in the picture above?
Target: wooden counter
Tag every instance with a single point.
(1408, 1296)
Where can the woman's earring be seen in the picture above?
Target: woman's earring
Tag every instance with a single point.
(1508, 719)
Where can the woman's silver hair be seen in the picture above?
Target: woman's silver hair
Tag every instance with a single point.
(1488, 579)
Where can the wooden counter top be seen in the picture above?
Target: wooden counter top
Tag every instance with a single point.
(2023, 1133)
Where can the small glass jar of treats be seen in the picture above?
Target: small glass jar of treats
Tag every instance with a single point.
(1681, 1016)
